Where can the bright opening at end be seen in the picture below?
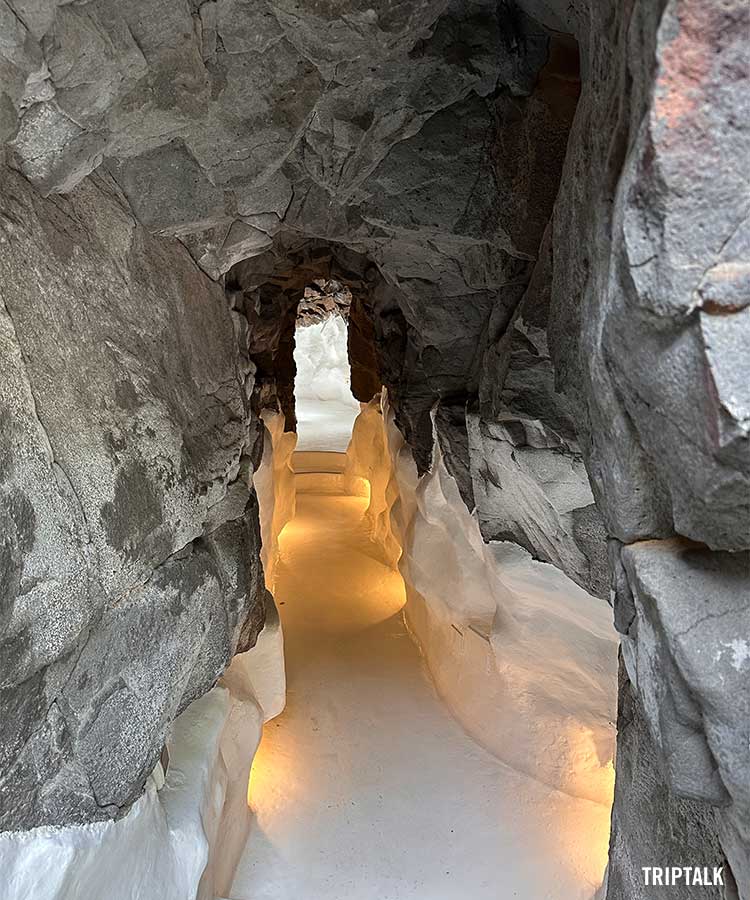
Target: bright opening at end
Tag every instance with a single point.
(325, 407)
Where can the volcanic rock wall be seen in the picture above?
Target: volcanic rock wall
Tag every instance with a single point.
(129, 554)
(541, 211)
(649, 337)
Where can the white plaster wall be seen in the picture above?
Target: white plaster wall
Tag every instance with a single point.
(274, 486)
(525, 659)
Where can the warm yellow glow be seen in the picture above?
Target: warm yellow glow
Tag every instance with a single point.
(577, 832)
(331, 579)
(277, 775)
(595, 828)
(265, 774)
(581, 781)
(332, 576)
(359, 487)
(336, 591)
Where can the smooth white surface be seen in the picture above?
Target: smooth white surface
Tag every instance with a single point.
(256, 686)
(524, 658)
(366, 787)
(325, 407)
(122, 860)
(273, 481)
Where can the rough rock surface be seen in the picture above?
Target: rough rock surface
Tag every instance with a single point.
(129, 557)
(323, 299)
(685, 616)
(685, 832)
(530, 487)
(541, 210)
(373, 127)
(647, 250)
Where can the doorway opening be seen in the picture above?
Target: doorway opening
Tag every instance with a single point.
(324, 404)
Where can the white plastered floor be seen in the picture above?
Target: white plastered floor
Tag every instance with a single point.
(366, 788)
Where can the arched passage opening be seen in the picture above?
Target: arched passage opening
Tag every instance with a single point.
(324, 404)
(406, 561)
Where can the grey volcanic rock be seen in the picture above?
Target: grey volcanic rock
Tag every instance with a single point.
(363, 357)
(130, 572)
(453, 437)
(243, 127)
(321, 300)
(530, 482)
(166, 186)
(530, 487)
(684, 832)
(665, 420)
(686, 650)
(648, 263)
(540, 209)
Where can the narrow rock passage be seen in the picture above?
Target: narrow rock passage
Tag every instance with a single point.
(365, 787)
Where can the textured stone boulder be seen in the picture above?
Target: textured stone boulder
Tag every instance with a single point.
(321, 300)
(685, 616)
(129, 560)
(239, 126)
(648, 264)
(531, 488)
(540, 209)
(683, 832)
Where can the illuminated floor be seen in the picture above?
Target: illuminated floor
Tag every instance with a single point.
(366, 788)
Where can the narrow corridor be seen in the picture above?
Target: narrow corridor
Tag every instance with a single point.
(366, 787)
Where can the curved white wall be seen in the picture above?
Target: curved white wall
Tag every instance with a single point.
(525, 659)
(274, 486)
